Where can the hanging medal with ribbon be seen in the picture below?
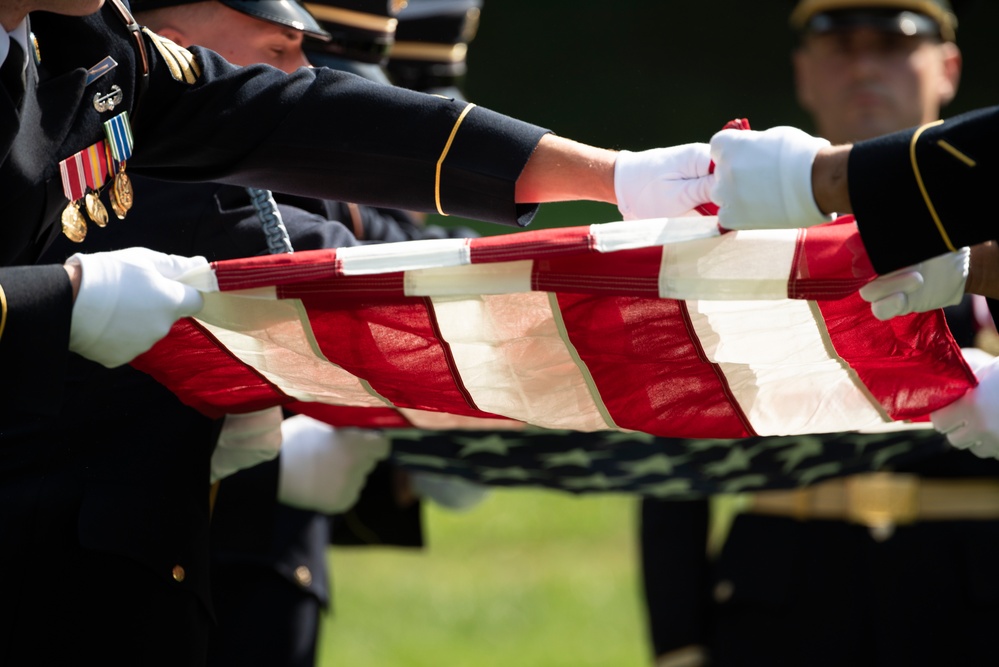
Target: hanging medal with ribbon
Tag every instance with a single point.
(119, 139)
(83, 175)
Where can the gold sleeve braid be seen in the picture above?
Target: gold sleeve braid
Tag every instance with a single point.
(440, 161)
(922, 186)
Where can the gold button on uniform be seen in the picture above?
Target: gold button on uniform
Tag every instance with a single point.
(178, 573)
(303, 576)
(723, 591)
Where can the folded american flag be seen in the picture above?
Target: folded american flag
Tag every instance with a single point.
(665, 327)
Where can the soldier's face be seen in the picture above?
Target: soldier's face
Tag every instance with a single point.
(244, 40)
(861, 82)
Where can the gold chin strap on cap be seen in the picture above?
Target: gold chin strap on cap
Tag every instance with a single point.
(440, 161)
(937, 10)
(443, 53)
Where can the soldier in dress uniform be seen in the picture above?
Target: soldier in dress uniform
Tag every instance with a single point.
(269, 579)
(892, 567)
(91, 99)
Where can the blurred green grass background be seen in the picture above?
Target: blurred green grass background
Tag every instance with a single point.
(530, 578)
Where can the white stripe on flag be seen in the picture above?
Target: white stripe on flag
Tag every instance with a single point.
(781, 368)
(614, 236)
(737, 265)
(403, 256)
(492, 278)
(437, 421)
(274, 338)
(513, 361)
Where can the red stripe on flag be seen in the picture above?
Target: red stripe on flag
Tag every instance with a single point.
(394, 346)
(383, 286)
(669, 387)
(205, 375)
(632, 273)
(282, 269)
(830, 262)
(531, 245)
(911, 365)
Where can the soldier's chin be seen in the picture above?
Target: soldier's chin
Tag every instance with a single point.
(74, 7)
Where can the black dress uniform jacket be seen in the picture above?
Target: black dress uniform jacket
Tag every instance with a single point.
(316, 132)
(117, 480)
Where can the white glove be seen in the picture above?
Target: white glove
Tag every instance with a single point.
(128, 300)
(972, 421)
(454, 493)
(763, 180)
(929, 285)
(245, 441)
(662, 182)
(324, 469)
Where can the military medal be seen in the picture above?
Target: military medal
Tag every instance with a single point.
(123, 189)
(118, 131)
(95, 209)
(116, 205)
(73, 224)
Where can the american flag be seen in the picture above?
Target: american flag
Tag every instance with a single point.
(666, 468)
(664, 327)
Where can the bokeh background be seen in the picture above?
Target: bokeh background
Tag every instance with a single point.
(541, 579)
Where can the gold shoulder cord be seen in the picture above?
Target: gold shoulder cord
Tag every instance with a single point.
(922, 186)
(440, 161)
(3, 310)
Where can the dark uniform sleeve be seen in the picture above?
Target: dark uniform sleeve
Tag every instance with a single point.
(332, 135)
(36, 304)
(920, 193)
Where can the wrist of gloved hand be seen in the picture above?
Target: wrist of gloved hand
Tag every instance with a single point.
(764, 179)
(662, 182)
(454, 493)
(324, 469)
(934, 283)
(128, 299)
(972, 421)
(246, 440)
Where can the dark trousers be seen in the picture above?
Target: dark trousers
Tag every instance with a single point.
(826, 593)
(263, 619)
(65, 605)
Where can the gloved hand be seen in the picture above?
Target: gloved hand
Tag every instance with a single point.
(245, 441)
(128, 300)
(662, 182)
(454, 493)
(322, 468)
(929, 285)
(972, 421)
(763, 180)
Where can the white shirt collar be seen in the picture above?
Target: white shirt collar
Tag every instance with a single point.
(20, 35)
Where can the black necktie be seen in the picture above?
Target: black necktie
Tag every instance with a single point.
(12, 73)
